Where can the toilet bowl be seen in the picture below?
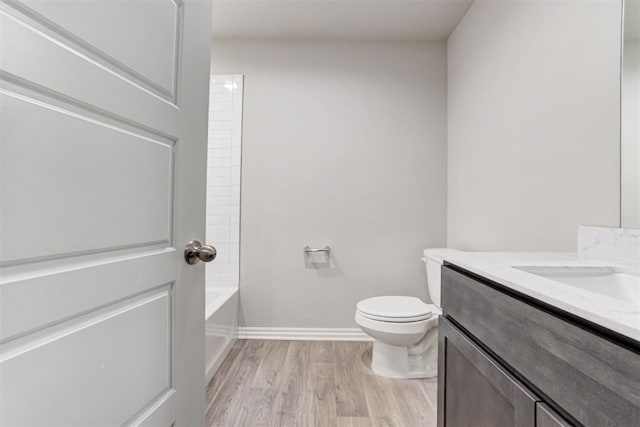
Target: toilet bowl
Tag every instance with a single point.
(404, 328)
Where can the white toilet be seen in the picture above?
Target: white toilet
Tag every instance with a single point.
(405, 329)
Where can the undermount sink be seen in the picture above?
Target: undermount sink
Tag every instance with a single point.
(607, 281)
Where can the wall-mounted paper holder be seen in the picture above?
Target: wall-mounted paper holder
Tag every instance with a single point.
(326, 250)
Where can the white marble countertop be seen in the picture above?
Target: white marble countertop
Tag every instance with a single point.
(597, 308)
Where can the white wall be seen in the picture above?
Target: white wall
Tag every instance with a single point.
(630, 167)
(533, 123)
(223, 179)
(344, 144)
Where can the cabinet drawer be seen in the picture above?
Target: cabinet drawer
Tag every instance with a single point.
(593, 379)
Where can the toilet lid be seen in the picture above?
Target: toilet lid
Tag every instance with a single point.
(394, 307)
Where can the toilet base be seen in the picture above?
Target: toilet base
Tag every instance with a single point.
(419, 360)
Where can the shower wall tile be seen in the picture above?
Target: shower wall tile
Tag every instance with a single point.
(223, 178)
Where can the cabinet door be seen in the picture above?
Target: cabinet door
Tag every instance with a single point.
(474, 390)
(547, 417)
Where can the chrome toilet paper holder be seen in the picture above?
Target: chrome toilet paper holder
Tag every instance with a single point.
(326, 250)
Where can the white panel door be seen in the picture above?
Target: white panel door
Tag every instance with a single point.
(103, 128)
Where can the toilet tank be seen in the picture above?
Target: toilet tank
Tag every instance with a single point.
(433, 259)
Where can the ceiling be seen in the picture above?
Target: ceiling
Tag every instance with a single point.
(337, 19)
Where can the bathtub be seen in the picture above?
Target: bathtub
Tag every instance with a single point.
(221, 316)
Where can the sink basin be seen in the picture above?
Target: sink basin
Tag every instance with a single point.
(607, 281)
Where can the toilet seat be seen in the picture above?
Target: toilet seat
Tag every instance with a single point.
(394, 309)
(395, 319)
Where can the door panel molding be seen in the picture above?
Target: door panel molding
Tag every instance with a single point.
(112, 151)
(25, 304)
(37, 22)
(75, 324)
(28, 89)
(125, 345)
(42, 97)
(156, 412)
(92, 84)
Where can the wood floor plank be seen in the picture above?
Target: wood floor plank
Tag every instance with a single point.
(413, 407)
(223, 373)
(382, 403)
(272, 363)
(429, 389)
(321, 351)
(353, 422)
(283, 419)
(257, 405)
(320, 384)
(321, 402)
(292, 394)
(225, 408)
(350, 395)
(362, 357)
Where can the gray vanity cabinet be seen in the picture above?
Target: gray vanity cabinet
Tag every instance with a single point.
(547, 417)
(506, 359)
(478, 392)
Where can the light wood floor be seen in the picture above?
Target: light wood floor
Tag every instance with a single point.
(314, 383)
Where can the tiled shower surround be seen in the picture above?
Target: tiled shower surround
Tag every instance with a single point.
(223, 179)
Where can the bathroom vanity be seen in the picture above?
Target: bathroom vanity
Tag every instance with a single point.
(516, 349)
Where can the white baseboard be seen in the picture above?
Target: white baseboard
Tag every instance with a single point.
(303, 334)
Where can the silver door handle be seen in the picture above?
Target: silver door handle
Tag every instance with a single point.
(196, 251)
